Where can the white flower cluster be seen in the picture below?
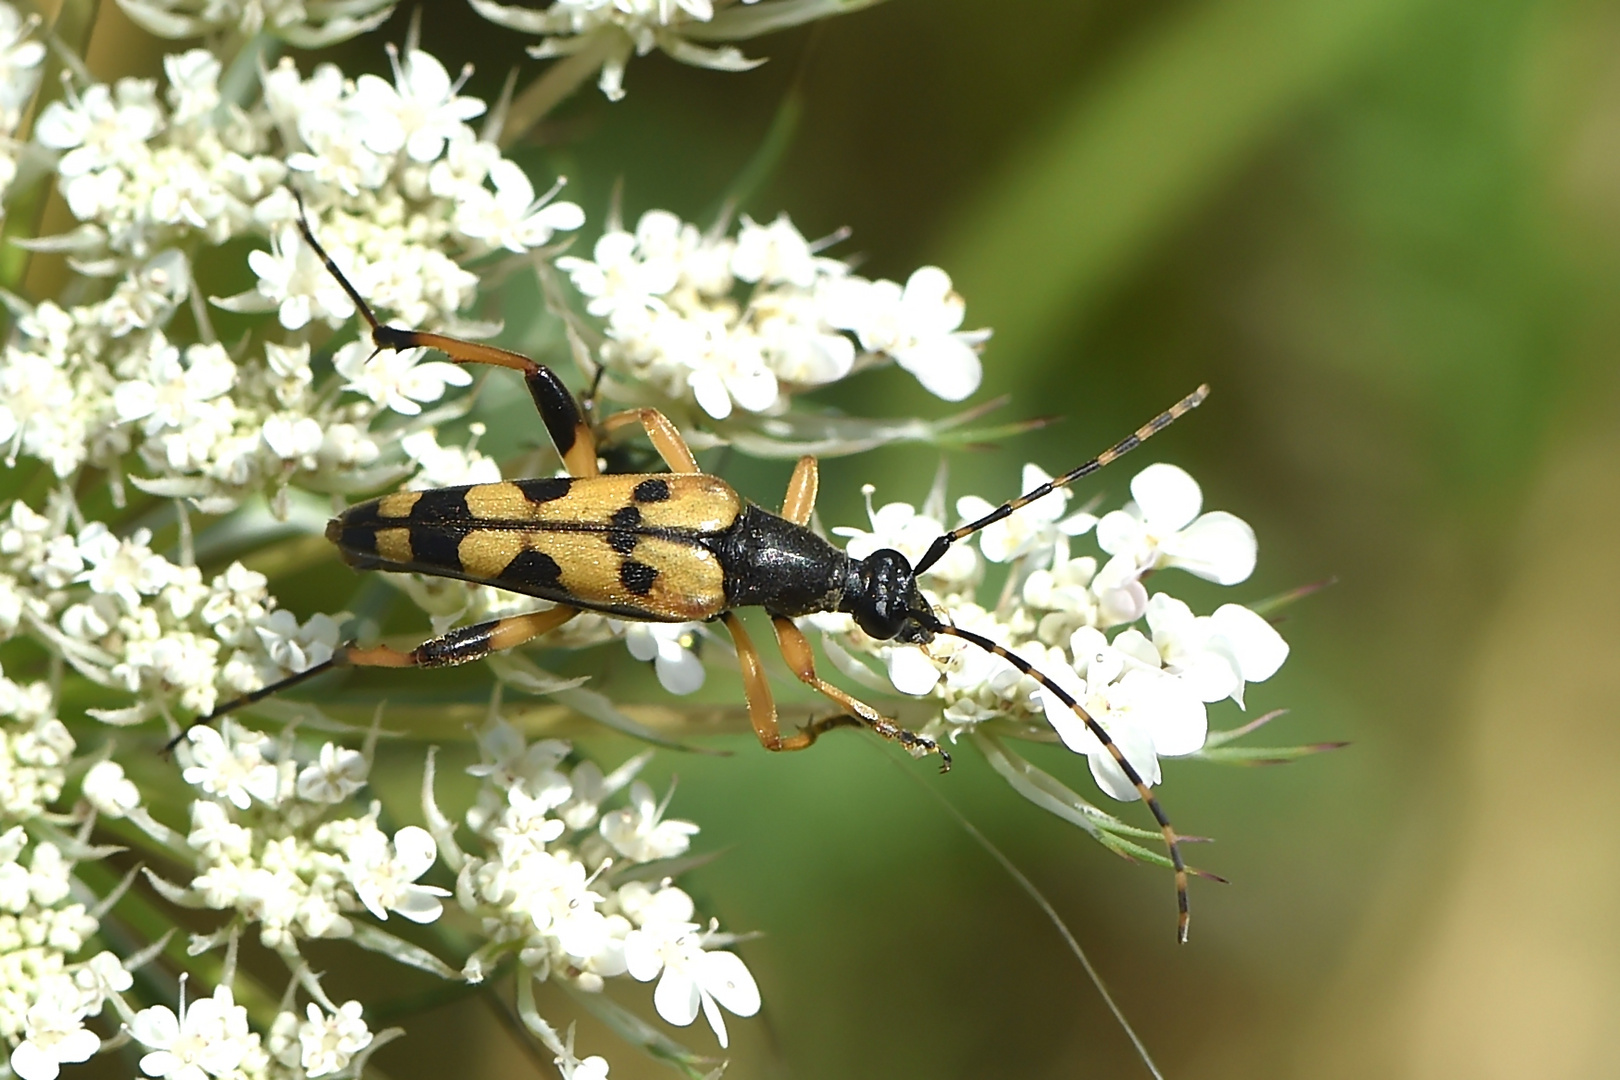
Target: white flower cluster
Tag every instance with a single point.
(401, 188)
(610, 30)
(544, 881)
(20, 58)
(211, 1037)
(1147, 686)
(269, 840)
(128, 618)
(308, 24)
(745, 322)
(45, 995)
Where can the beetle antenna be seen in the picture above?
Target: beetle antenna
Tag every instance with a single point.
(331, 267)
(942, 543)
(1171, 840)
(258, 695)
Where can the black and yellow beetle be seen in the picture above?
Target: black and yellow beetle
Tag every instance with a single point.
(662, 547)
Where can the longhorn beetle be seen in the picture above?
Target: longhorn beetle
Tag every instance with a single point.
(663, 547)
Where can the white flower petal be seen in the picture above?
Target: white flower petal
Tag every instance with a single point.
(1138, 750)
(911, 671)
(414, 851)
(679, 670)
(1169, 498)
(727, 978)
(947, 367)
(1167, 711)
(1260, 650)
(1218, 547)
(676, 997)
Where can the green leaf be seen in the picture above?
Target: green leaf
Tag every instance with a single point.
(398, 949)
(797, 433)
(1264, 755)
(1055, 797)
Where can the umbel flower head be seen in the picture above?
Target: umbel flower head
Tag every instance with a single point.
(608, 32)
(170, 475)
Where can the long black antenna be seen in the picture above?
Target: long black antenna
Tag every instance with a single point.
(1171, 840)
(1141, 435)
(382, 335)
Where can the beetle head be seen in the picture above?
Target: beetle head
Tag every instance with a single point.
(885, 599)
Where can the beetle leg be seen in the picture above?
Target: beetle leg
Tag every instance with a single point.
(459, 646)
(558, 409)
(761, 705)
(666, 438)
(796, 651)
(800, 501)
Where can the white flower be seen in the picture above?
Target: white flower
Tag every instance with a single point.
(19, 65)
(671, 950)
(54, 1035)
(338, 773)
(510, 216)
(169, 394)
(1146, 712)
(621, 27)
(1216, 654)
(193, 84)
(627, 271)
(916, 325)
(107, 789)
(208, 1039)
(730, 369)
(292, 646)
(669, 645)
(329, 1042)
(638, 833)
(594, 1067)
(385, 880)
(1163, 528)
(523, 828)
(447, 466)
(774, 254)
(419, 113)
(127, 569)
(293, 277)
(102, 127)
(1032, 527)
(230, 765)
(396, 380)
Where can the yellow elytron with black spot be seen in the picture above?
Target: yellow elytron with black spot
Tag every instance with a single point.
(665, 547)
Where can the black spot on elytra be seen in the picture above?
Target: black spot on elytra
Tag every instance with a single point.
(443, 504)
(362, 541)
(636, 576)
(437, 547)
(622, 536)
(532, 568)
(544, 489)
(360, 514)
(651, 491)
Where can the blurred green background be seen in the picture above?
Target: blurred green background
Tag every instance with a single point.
(1388, 233)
